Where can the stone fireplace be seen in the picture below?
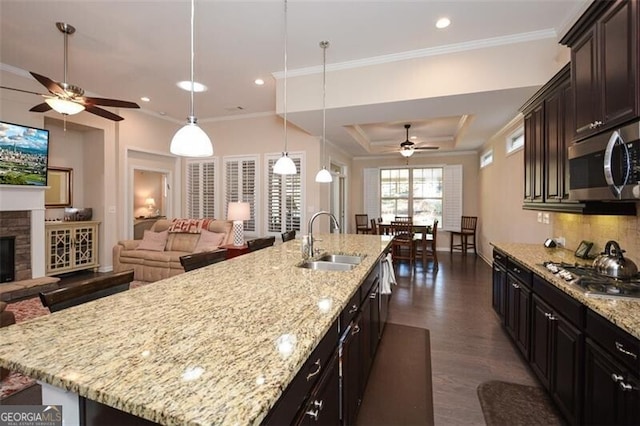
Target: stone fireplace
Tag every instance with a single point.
(22, 217)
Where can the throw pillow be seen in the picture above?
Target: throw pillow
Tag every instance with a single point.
(209, 241)
(154, 241)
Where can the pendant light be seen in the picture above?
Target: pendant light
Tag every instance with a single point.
(285, 165)
(191, 140)
(323, 175)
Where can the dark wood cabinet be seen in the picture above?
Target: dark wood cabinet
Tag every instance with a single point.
(351, 349)
(499, 296)
(518, 306)
(604, 59)
(534, 154)
(323, 407)
(556, 357)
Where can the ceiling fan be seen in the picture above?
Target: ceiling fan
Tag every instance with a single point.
(407, 148)
(68, 99)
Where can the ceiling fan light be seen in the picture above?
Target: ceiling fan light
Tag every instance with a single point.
(191, 141)
(284, 165)
(64, 106)
(406, 152)
(323, 176)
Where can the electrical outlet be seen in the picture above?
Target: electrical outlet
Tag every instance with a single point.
(545, 218)
(539, 217)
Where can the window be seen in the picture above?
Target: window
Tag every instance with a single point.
(413, 192)
(201, 189)
(486, 159)
(515, 141)
(240, 184)
(284, 196)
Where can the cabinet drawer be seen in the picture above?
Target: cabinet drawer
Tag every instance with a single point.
(562, 303)
(522, 273)
(500, 258)
(350, 311)
(297, 393)
(623, 346)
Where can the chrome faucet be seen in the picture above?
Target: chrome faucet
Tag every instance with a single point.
(309, 249)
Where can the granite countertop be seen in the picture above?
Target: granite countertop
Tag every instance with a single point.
(625, 313)
(200, 347)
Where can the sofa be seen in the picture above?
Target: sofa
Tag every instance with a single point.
(157, 255)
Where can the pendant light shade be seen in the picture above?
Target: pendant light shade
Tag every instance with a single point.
(64, 106)
(285, 165)
(407, 151)
(323, 176)
(191, 140)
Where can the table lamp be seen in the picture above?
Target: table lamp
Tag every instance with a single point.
(151, 203)
(238, 212)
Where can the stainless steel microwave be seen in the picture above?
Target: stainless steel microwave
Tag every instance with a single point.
(606, 166)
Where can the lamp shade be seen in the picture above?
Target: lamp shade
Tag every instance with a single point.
(150, 202)
(285, 165)
(324, 176)
(64, 106)
(191, 141)
(239, 211)
(407, 152)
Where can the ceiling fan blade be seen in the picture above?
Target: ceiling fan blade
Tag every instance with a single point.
(51, 85)
(43, 107)
(109, 102)
(103, 113)
(20, 90)
(427, 147)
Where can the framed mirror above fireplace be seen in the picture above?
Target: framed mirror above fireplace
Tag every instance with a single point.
(60, 187)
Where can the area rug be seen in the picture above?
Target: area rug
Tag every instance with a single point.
(399, 390)
(514, 404)
(25, 310)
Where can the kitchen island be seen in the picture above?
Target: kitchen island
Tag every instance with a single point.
(204, 347)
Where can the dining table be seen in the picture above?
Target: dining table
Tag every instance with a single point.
(385, 229)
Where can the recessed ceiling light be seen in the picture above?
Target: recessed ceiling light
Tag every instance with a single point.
(258, 81)
(197, 87)
(145, 99)
(443, 23)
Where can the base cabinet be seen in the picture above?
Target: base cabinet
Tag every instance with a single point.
(71, 246)
(499, 284)
(323, 407)
(518, 306)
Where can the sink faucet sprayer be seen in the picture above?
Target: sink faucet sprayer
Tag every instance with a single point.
(307, 242)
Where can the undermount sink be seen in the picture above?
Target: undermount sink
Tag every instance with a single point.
(320, 265)
(342, 258)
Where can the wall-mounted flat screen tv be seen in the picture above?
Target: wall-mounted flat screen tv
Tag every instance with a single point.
(24, 153)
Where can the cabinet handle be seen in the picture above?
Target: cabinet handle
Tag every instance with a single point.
(497, 256)
(626, 387)
(514, 285)
(315, 373)
(313, 414)
(356, 330)
(616, 377)
(550, 316)
(597, 124)
(318, 404)
(620, 348)
(373, 295)
(354, 309)
(516, 270)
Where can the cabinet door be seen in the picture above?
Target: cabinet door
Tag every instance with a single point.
(59, 250)
(524, 320)
(611, 394)
(534, 155)
(566, 364)
(529, 125)
(568, 127)
(499, 290)
(323, 407)
(618, 50)
(584, 79)
(351, 359)
(511, 317)
(541, 341)
(554, 144)
(84, 245)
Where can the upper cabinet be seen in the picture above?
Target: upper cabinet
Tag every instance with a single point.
(604, 66)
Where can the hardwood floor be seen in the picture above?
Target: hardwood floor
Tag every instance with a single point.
(468, 344)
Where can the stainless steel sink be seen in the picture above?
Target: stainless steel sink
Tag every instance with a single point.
(342, 258)
(320, 265)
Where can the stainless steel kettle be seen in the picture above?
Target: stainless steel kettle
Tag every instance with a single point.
(612, 264)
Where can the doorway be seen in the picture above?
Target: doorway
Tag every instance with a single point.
(338, 196)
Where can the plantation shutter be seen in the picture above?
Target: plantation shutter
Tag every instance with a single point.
(285, 200)
(240, 185)
(452, 198)
(200, 189)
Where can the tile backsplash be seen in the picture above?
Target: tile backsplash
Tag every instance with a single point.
(600, 229)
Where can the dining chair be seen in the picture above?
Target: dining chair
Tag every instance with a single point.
(467, 231)
(362, 224)
(198, 260)
(426, 246)
(288, 236)
(86, 291)
(260, 243)
(404, 219)
(374, 227)
(402, 244)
